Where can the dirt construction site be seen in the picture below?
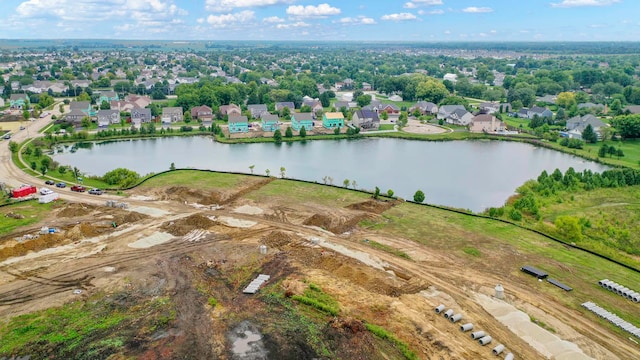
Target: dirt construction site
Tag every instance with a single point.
(192, 245)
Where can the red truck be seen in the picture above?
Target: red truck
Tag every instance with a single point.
(24, 190)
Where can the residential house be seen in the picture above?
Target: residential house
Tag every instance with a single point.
(257, 110)
(338, 105)
(108, 96)
(332, 120)
(229, 110)
(202, 113)
(459, 117)
(375, 105)
(315, 105)
(486, 123)
(366, 86)
(285, 104)
(425, 108)
(18, 101)
(632, 109)
(451, 77)
(139, 116)
(75, 117)
(577, 124)
(395, 98)
(172, 114)
(270, 122)
(491, 107)
(140, 101)
(83, 106)
(591, 106)
(390, 109)
(445, 110)
(108, 117)
(300, 120)
(125, 106)
(238, 124)
(548, 99)
(535, 111)
(366, 119)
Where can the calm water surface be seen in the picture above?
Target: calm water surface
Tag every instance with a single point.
(465, 174)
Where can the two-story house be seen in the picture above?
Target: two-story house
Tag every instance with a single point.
(172, 114)
(332, 120)
(108, 117)
(302, 120)
(366, 119)
(202, 113)
(238, 124)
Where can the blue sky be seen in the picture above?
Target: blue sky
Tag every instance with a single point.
(388, 20)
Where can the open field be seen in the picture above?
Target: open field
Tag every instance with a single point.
(351, 278)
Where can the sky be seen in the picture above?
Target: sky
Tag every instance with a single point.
(324, 20)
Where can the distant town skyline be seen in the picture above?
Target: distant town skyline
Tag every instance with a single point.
(325, 20)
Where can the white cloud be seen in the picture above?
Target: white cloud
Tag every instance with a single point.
(474, 9)
(435, 12)
(417, 3)
(399, 17)
(227, 20)
(298, 24)
(577, 3)
(200, 20)
(228, 5)
(321, 10)
(357, 20)
(273, 20)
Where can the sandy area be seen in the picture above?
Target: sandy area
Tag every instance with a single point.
(233, 222)
(248, 209)
(142, 198)
(155, 212)
(151, 240)
(363, 257)
(414, 126)
(547, 343)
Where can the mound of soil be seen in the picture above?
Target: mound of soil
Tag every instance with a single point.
(185, 225)
(276, 239)
(13, 215)
(128, 217)
(336, 225)
(191, 195)
(372, 206)
(22, 248)
(76, 210)
(83, 230)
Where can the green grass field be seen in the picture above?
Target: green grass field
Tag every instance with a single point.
(195, 179)
(31, 211)
(287, 192)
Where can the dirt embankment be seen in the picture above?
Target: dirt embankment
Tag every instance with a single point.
(185, 225)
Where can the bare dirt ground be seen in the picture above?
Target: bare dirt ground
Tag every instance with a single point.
(306, 243)
(416, 127)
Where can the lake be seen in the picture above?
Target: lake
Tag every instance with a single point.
(472, 175)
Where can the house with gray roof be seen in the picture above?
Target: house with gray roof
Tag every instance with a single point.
(172, 114)
(108, 117)
(257, 110)
(425, 108)
(366, 119)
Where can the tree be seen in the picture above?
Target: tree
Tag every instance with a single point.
(62, 170)
(363, 100)
(589, 135)
(569, 227)
(282, 171)
(34, 166)
(419, 197)
(384, 115)
(268, 172)
(354, 184)
(13, 146)
(346, 182)
(336, 131)
(376, 193)
(251, 168)
(187, 116)
(76, 173)
(86, 122)
(619, 153)
(83, 97)
(303, 132)
(288, 133)
(277, 136)
(612, 150)
(566, 99)
(604, 149)
(104, 105)
(390, 193)
(121, 176)
(26, 115)
(172, 166)
(43, 169)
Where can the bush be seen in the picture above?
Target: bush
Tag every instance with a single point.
(515, 214)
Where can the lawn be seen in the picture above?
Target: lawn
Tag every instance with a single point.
(285, 192)
(31, 211)
(387, 126)
(199, 179)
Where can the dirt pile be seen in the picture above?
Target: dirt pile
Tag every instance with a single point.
(81, 231)
(191, 195)
(76, 210)
(128, 217)
(13, 215)
(373, 206)
(185, 225)
(335, 224)
(276, 239)
(39, 243)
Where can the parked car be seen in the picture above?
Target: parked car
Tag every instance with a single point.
(50, 182)
(78, 188)
(96, 192)
(7, 136)
(45, 191)
(61, 185)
